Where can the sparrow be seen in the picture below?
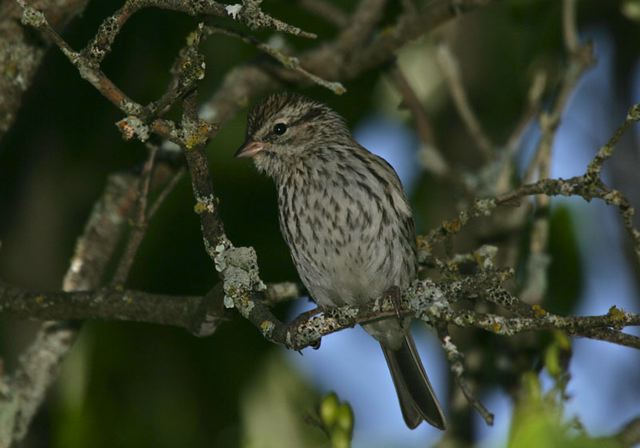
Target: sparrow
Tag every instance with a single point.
(348, 224)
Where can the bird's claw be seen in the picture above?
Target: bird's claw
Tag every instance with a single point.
(394, 294)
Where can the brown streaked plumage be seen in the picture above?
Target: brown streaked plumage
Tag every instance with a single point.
(348, 224)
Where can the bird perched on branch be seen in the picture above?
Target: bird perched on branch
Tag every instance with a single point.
(348, 224)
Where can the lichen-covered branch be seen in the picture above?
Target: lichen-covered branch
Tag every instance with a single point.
(86, 68)
(109, 304)
(329, 61)
(248, 12)
(20, 55)
(456, 366)
(116, 304)
(432, 302)
(290, 62)
(580, 58)
(409, 26)
(237, 266)
(587, 186)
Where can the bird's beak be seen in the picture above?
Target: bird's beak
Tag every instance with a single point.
(249, 149)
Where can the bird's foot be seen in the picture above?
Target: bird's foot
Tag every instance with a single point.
(304, 317)
(395, 295)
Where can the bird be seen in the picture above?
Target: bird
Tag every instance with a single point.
(348, 224)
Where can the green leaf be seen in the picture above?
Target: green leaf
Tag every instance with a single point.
(556, 355)
(538, 421)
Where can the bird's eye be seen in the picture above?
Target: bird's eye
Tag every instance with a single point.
(280, 128)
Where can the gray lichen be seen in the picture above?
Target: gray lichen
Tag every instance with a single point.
(132, 126)
(239, 268)
(31, 16)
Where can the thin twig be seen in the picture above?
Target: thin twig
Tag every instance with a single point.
(256, 19)
(532, 109)
(569, 28)
(328, 11)
(434, 162)
(187, 70)
(139, 226)
(249, 13)
(166, 190)
(588, 186)
(362, 23)
(383, 45)
(86, 68)
(451, 72)
(22, 54)
(250, 81)
(580, 60)
(289, 62)
(575, 186)
(456, 366)
(411, 101)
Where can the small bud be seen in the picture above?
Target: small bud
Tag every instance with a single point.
(340, 439)
(344, 419)
(329, 409)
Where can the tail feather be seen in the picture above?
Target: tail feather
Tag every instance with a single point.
(417, 399)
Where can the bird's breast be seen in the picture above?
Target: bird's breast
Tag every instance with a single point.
(346, 238)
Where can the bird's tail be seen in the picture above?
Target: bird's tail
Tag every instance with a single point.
(417, 400)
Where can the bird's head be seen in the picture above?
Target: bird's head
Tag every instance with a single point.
(285, 128)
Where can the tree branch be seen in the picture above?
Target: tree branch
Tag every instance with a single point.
(39, 365)
(456, 365)
(20, 56)
(587, 186)
(327, 11)
(432, 159)
(328, 61)
(432, 302)
(287, 61)
(451, 72)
